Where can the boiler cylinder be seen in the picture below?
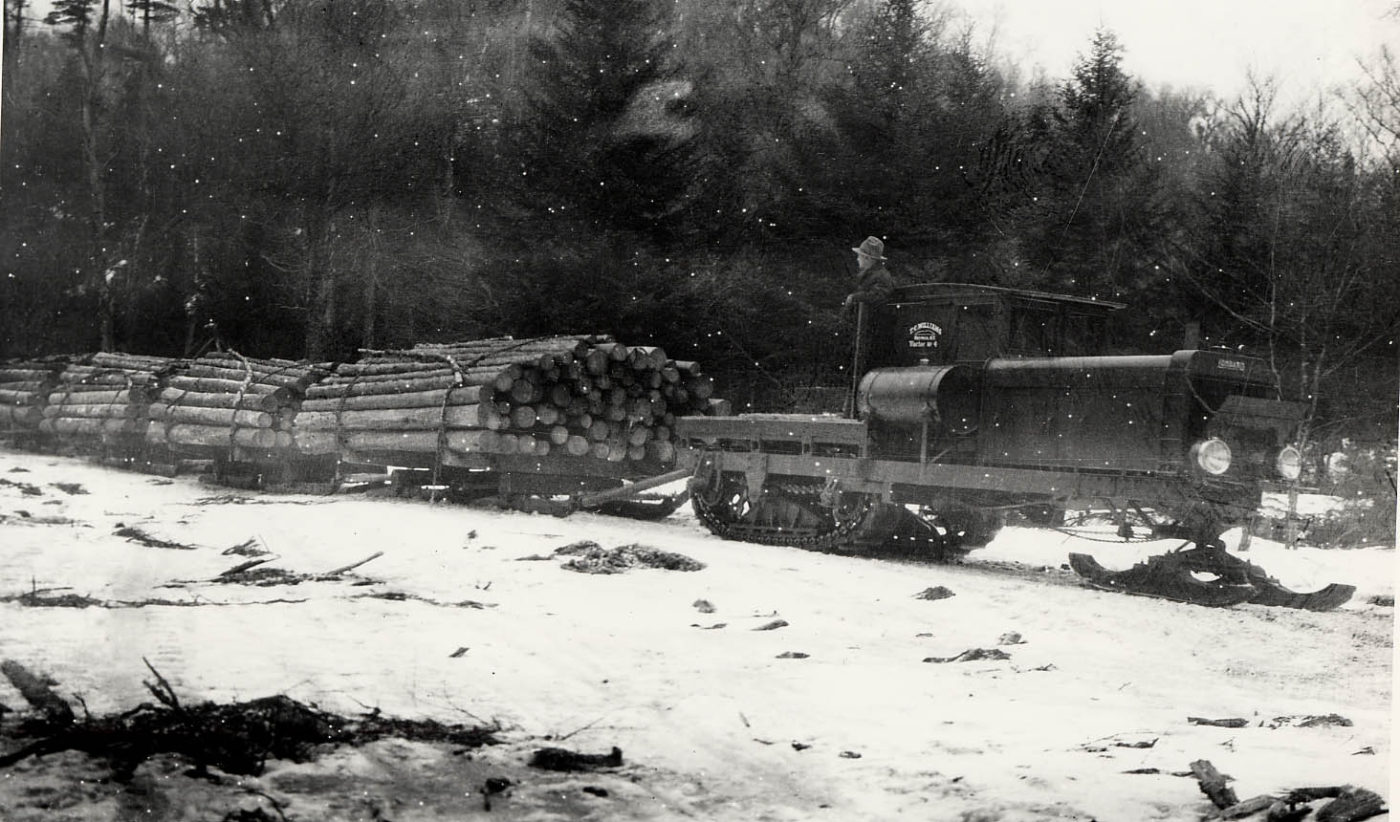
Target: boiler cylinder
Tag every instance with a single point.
(946, 396)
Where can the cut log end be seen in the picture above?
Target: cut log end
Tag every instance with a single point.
(1214, 784)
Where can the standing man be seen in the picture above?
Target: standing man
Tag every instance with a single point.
(874, 288)
(875, 284)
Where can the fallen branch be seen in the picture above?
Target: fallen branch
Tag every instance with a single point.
(137, 535)
(1310, 721)
(247, 548)
(243, 566)
(971, 655)
(38, 600)
(237, 499)
(399, 596)
(37, 691)
(161, 688)
(592, 559)
(237, 738)
(78, 601)
(352, 566)
(1234, 722)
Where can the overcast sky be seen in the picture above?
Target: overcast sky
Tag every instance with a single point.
(1306, 44)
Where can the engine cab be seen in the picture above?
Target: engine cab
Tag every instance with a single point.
(971, 374)
(931, 351)
(946, 323)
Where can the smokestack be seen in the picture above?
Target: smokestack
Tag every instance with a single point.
(1191, 338)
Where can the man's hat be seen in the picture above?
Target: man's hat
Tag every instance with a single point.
(872, 247)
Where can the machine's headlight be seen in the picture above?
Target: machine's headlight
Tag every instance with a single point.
(1212, 456)
(1289, 462)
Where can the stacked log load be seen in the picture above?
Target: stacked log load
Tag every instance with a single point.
(105, 396)
(223, 400)
(24, 388)
(584, 396)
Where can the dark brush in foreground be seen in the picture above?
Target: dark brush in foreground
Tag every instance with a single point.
(235, 738)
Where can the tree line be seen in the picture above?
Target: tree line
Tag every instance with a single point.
(305, 178)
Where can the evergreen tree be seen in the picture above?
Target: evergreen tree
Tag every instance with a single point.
(608, 142)
(227, 18)
(884, 124)
(920, 103)
(1090, 218)
(75, 17)
(892, 59)
(151, 12)
(1095, 117)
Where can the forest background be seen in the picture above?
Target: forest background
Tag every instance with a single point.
(305, 178)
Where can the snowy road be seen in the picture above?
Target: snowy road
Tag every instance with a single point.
(725, 721)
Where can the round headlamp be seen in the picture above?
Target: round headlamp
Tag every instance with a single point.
(1212, 456)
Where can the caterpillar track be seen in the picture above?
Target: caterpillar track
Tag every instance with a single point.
(802, 514)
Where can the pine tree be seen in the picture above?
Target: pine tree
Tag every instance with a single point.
(919, 103)
(230, 17)
(76, 17)
(152, 12)
(884, 123)
(892, 52)
(608, 142)
(1095, 114)
(1093, 219)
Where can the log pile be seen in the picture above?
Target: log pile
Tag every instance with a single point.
(24, 388)
(105, 396)
(582, 396)
(223, 400)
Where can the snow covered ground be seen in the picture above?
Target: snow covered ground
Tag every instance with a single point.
(834, 715)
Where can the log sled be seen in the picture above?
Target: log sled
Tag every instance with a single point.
(586, 397)
(558, 416)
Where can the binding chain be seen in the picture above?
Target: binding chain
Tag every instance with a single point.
(238, 400)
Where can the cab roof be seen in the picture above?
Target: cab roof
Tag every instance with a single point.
(968, 292)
